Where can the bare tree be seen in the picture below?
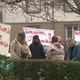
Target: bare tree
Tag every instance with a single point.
(73, 4)
(35, 8)
(32, 7)
(40, 8)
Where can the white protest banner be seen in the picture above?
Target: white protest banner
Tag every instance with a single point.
(45, 35)
(4, 39)
(77, 35)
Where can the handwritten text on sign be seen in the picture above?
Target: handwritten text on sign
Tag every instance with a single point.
(45, 35)
(4, 38)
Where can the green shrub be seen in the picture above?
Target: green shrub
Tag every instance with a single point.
(39, 70)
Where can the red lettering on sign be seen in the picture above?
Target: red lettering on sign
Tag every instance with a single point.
(34, 32)
(5, 29)
(3, 43)
(77, 32)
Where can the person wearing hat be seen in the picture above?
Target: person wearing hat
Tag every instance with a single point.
(16, 46)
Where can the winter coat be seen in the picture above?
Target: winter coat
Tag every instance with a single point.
(70, 54)
(25, 51)
(76, 52)
(55, 52)
(37, 50)
(15, 49)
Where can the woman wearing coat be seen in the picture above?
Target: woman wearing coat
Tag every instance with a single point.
(70, 49)
(37, 49)
(17, 48)
(55, 51)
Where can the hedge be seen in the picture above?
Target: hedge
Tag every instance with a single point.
(38, 70)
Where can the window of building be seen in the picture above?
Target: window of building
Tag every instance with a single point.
(69, 28)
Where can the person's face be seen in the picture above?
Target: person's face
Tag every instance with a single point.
(20, 39)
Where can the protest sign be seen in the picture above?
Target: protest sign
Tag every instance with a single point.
(4, 39)
(45, 35)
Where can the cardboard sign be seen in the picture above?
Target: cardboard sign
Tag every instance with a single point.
(45, 35)
(4, 39)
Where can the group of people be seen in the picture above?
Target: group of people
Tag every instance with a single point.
(19, 49)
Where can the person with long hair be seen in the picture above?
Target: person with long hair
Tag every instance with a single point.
(36, 48)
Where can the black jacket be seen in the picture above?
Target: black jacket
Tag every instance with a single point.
(37, 50)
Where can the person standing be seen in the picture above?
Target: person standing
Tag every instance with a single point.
(36, 48)
(16, 46)
(63, 46)
(70, 44)
(55, 52)
(76, 53)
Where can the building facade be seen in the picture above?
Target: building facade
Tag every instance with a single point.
(63, 29)
(64, 25)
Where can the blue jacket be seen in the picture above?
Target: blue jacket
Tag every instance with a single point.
(70, 53)
(76, 52)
